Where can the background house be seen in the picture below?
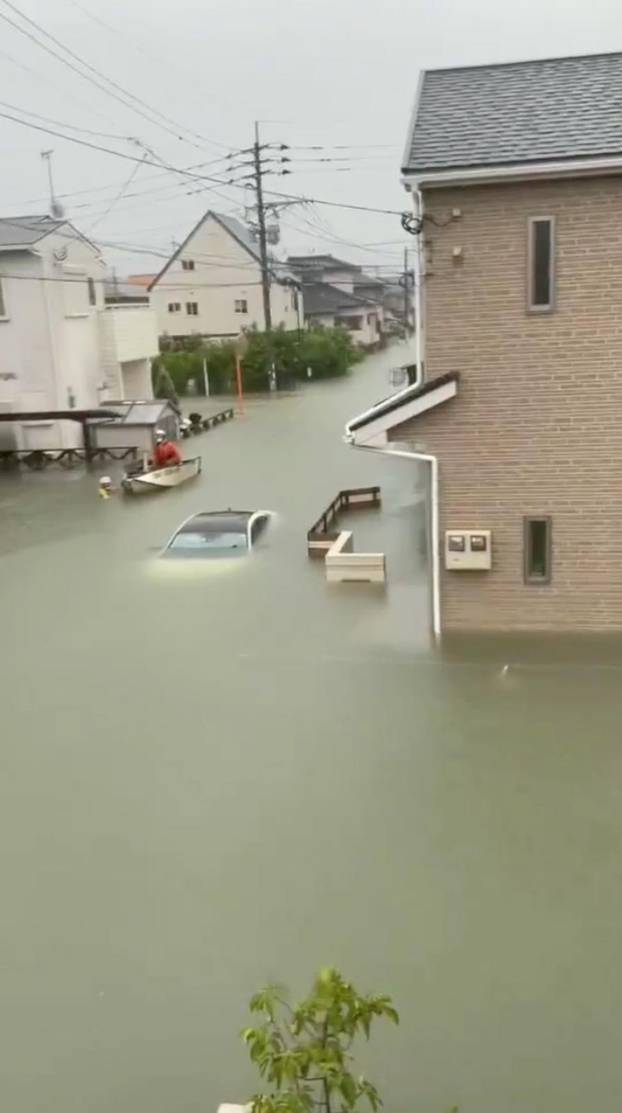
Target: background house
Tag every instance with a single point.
(211, 285)
(338, 293)
(61, 346)
(329, 307)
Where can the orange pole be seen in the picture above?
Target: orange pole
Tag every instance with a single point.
(238, 375)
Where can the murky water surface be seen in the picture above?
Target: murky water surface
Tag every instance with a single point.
(216, 776)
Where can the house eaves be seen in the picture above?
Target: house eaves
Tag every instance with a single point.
(403, 406)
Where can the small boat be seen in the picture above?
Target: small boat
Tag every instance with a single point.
(158, 479)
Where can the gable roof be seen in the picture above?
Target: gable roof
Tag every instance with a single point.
(23, 231)
(229, 223)
(321, 297)
(519, 112)
(240, 234)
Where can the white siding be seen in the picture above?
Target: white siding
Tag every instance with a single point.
(224, 272)
(51, 354)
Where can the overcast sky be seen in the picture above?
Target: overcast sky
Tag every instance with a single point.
(329, 73)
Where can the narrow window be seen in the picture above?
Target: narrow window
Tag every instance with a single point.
(541, 263)
(187, 264)
(537, 550)
(92, 294)
(192, 308)
(3, 312)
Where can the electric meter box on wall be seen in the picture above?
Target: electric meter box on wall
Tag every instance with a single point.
(468, 550)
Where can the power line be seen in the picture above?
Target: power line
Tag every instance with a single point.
(146, 54)
(62, 124)
(43, 77)
(125, 95)
(98, 219)
(198, 177)
(104, 281)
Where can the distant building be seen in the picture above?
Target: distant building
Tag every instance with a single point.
(329, 307)
(61, 345)
(211, 285)
(340, 294)
(516, 177)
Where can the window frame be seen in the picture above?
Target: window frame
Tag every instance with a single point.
(531, 258)
(174, 307)
(194, 312)
(240, 305)
(92, 292)
(187, 265)
(4, 313)
(530, 578)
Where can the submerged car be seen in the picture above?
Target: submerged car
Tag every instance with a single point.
(217, 533)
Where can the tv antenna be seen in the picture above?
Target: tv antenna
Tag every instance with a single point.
(56, 209)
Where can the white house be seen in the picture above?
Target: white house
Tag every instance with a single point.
(211, 285)
(61, 346)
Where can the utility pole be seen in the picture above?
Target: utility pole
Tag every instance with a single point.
(261, 221)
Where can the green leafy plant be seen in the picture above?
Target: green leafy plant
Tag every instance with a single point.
(304, 1051)
(327, 352)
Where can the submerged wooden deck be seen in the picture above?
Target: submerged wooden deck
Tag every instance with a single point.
(336, 546)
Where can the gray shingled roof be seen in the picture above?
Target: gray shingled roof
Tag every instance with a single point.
(321, 297)
(555, 109)
(20, 231)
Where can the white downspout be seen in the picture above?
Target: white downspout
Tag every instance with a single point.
(424, 458)
(418, 269)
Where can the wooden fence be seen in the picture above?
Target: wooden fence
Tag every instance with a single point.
(37, 459)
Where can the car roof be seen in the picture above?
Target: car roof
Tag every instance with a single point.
(215, 520)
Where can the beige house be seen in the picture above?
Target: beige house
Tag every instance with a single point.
(516, 177)
(211, 285)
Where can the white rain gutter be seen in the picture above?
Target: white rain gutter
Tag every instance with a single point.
(573, 168)
(425, 458)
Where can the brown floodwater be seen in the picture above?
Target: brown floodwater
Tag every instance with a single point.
(216, 776)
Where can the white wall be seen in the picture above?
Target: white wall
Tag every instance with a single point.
(53, 352)
(128, 339)
(225, 272)
(136, 379)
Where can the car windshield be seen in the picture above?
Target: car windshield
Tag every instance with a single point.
(198, 539)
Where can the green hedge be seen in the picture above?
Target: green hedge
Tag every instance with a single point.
(328, 352)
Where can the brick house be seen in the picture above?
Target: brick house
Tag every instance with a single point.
(516, 177)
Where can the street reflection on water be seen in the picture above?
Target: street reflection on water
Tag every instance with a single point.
(218, 775)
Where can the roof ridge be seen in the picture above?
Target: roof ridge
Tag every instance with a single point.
(516, 62)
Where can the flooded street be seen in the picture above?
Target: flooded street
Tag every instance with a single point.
(215, 776)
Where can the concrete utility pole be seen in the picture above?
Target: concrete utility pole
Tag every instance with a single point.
(261, 221)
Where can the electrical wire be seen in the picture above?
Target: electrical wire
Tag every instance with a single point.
(105, 281)
(199, 177)
(167, 63)
(43, 77)
(62, 124)
(125, 97)
(98, 219)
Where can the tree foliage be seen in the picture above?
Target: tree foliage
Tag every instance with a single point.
(327, 352)
(303, 1052)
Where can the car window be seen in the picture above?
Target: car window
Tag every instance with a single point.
(189, 539)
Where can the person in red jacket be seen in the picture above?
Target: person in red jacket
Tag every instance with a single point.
(165, 453)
